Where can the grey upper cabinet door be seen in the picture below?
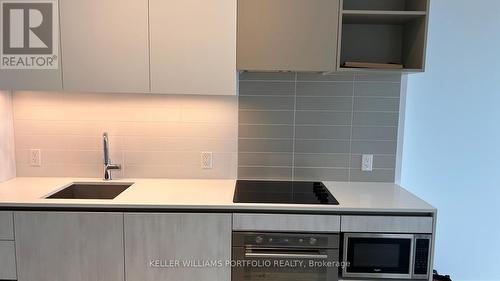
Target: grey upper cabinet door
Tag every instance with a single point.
(69, 246)
(193, 46)
(178, 237)
(105, 45)
(295, 35)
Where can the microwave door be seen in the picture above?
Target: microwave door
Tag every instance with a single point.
(378, 255)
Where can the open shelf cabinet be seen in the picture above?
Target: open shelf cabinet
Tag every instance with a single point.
(383, 32)
(386, 5)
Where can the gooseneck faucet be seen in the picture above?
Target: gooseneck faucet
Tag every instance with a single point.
(108, 166)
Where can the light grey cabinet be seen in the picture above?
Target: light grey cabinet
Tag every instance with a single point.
(388, 35)
(105, 45)
(292, 35)
(6, 225)
(62, 246)
(391, 224)
(7, 261)
(151, 240)
(286, 222)
(193, 46)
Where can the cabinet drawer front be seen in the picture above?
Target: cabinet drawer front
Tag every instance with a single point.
(386, 224)
(271, 222)
(7, 261)
(6, 226)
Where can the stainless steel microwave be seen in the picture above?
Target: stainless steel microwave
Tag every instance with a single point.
(387, 256)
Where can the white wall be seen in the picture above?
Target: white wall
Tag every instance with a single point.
(7, 157)
(452, 136)
(152, 136)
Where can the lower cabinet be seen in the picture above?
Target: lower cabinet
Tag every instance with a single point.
(7, 261)
(63, 246)
(173, 246)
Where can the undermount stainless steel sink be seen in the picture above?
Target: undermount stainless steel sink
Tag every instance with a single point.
(91, 190)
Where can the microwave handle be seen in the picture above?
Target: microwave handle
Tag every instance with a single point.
(284, 255)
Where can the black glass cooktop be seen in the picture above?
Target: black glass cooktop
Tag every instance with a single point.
(283, 192)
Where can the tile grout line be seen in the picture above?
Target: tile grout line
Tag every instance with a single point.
(351, 128)
(294, 125)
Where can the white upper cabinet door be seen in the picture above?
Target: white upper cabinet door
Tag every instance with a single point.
(41, 80)
(105, 45)
(32, 79)
(193, 46)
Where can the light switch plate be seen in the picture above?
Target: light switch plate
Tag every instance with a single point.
(367, 163)
(35, 157)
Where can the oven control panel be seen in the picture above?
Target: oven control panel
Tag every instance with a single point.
(278, 240)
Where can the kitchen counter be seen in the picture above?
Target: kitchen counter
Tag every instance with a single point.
(208, 195)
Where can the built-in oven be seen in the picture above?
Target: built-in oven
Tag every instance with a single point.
(285, 257)
(386, 256)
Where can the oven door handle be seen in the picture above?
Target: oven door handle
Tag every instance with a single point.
(284, 255)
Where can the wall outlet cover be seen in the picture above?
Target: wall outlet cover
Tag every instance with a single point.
(206, 160)
(367, 163)
(35, 157)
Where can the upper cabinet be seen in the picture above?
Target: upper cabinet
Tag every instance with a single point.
(193, 46)
(25, 50)
(287, 35)
(197, 46)
(36, 80)
(105, 45)
(383, 35)
(332, 35)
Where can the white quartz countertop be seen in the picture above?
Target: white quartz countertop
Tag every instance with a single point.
(214, 195)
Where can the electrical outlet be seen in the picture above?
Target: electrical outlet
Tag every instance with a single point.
(206, 160)
(35, 157)
(367, 163)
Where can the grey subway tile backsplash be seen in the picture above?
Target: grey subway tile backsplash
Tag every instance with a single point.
(374, 176)
(271, 88)
(375, 119)
(265, 145)
(313, 174)
(376, 104)
(323, 132)
(266, 131)
(310, 126)
(314, 118)
(324, 103)
(373, 147)
(374, 133)
(377, 89)
(325, 160)
(273, 76)
(325, 89)
(321, 146)
(378, 77)
(260, 159)
(266, 103)
(380, 162)
(265, 173)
